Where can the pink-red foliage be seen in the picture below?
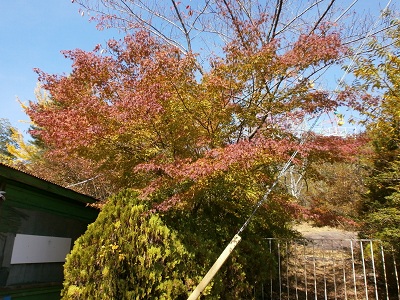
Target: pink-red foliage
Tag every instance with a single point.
(146, 114)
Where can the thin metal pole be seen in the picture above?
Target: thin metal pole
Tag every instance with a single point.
(344, 274)
(270, 251)
(396, 274)
(354, 269)
(324, 262)
(384, 271)
(295, 271)
(305, 269)
(315, 274)
(279, 271)
(334, 269)
(364, 273)
(287, 270)
(373, 269)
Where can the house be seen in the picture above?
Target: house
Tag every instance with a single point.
(39, 222)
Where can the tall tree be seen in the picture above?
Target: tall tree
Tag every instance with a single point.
(253, 64)
(201, 136)
(144, 115)
(378, 74)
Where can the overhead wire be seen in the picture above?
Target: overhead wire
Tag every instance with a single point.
(309, 131)
(236, 239)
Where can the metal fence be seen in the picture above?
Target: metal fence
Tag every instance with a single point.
(330, 269)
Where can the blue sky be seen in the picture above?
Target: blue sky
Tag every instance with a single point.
(32, 34)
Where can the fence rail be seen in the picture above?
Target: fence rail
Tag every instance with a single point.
(330, 269)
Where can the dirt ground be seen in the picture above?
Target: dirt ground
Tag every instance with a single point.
(325, 232)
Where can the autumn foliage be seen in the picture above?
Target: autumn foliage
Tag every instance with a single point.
(147, 117)
(201, 138)
(378, 74)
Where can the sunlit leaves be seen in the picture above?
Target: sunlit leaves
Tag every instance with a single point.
(146, 117)
(7, 134)
(378, 74)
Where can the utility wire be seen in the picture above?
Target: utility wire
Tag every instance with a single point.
(82, 182)
(308, 133)
(236, 239)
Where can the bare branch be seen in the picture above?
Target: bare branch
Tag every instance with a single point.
(275, 20)
(297, 17)
(323, 15)
(185, 31)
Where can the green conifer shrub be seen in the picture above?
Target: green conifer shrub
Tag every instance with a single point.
(127, 254)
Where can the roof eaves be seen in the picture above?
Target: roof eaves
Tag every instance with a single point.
(12, 173)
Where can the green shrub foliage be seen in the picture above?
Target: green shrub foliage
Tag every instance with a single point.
(381, 208)
(127, 254)
(210, 223)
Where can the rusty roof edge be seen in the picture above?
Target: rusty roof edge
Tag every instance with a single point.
(12, 173)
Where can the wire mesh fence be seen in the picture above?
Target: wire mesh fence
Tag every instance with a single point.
(330, 269)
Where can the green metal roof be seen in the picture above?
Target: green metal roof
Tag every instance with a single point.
(8, 173)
